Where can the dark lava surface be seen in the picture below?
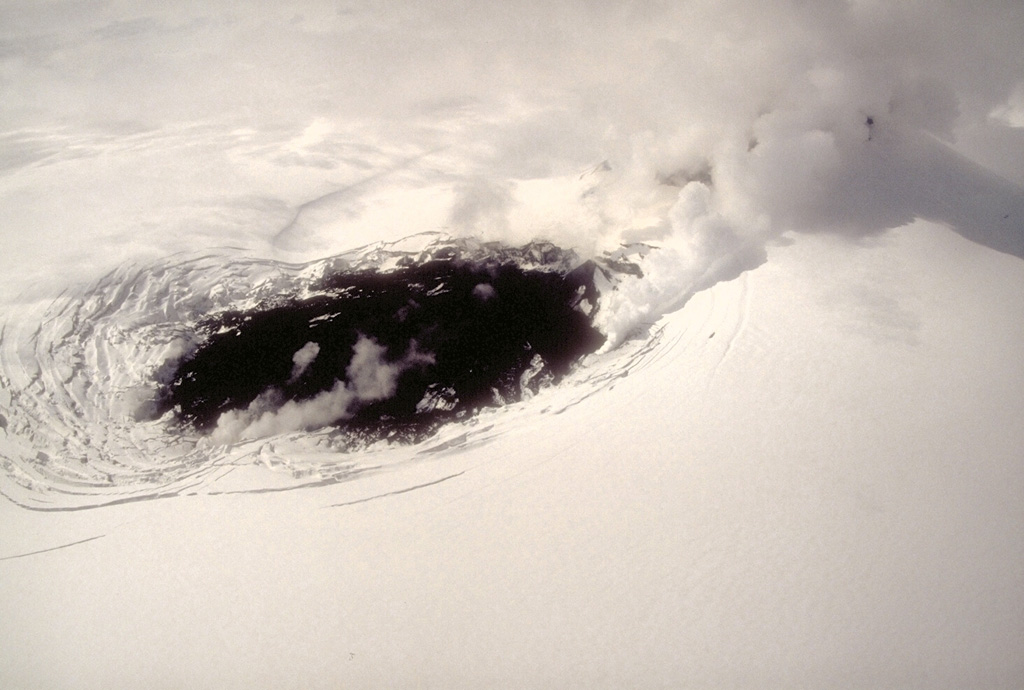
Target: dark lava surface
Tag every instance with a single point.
(487, 331)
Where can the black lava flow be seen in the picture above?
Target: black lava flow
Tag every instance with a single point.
(484, 324)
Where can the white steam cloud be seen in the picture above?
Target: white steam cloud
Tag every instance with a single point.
(370, 378)
(302, 358)
(707, 128)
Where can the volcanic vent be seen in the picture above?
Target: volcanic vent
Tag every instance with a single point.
(392, 346)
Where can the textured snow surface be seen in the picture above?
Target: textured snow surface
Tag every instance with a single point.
(797, 462)
(802, 480)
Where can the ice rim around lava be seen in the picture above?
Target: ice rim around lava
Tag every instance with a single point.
(89, 418)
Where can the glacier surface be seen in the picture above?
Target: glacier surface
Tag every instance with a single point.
(797, 460)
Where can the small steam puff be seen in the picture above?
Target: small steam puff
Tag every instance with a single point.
(302, 359)
(370, 378)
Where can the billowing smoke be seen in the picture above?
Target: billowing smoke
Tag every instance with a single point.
(370, 377)
(721, 126)
(302, 358)
(704, 128)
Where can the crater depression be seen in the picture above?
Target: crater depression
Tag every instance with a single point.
(389, 354)
(197, 373)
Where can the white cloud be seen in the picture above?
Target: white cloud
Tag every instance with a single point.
(488, 114)
(302, 358)
(370, 378)
(1011, 112)
(484, 291)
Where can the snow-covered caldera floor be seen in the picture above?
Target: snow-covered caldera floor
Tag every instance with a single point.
(811, 476)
